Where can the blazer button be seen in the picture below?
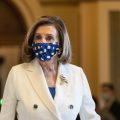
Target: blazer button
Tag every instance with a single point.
(71, 106)
(35, 106)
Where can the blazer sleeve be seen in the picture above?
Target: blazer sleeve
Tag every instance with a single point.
(87, 110)
(9, 98)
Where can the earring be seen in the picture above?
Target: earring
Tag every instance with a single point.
(59, 51)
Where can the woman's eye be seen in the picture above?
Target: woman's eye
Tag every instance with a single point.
(37, 37)
(49, 38)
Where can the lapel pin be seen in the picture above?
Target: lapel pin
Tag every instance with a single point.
(63, 79)
(66, 81)
(61, 82)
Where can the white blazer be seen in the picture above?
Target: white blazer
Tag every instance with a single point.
(26, 92)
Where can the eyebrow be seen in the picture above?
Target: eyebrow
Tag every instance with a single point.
(46, 34)
(37, 33)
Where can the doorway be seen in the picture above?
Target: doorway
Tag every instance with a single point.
(12, 33)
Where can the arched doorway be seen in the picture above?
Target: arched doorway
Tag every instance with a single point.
(12, 33)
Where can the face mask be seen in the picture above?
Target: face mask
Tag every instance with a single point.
(105, 96)
(45, 51)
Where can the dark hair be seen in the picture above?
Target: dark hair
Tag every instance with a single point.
(65, 56)
(109, 86)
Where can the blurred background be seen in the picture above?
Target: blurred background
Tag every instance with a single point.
(93, 27)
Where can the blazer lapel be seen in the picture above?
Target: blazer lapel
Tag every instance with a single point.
(62, 84)
(37, 79)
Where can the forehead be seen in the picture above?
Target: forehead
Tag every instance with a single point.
(46, 29)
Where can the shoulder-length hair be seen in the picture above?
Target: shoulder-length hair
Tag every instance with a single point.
(65, 54)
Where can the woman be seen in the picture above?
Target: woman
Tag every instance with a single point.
(47, 86)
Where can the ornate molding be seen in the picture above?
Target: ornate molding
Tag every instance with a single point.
(59, 1)
(72, 1)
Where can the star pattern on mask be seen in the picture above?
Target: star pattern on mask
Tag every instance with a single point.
(45, 51)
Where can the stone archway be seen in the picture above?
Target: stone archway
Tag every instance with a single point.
(30, 10)
(12, 31)
(26, 12)
(16, 17)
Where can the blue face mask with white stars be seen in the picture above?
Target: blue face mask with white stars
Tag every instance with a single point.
(45, 51)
